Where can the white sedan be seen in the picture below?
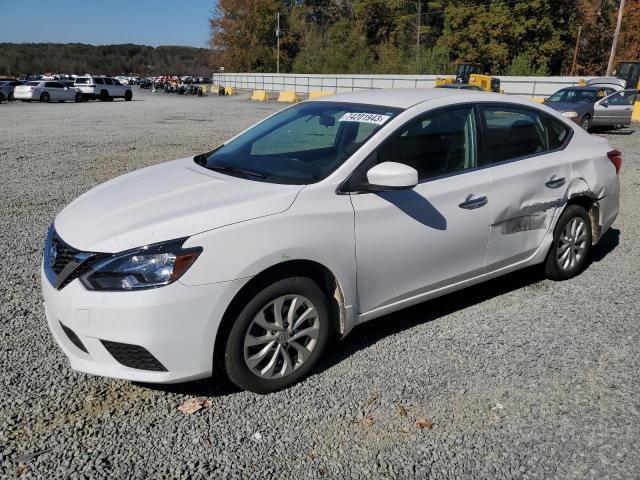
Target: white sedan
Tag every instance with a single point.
(325, 215)
(46, 91)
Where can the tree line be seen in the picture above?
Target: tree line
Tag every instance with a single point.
(33, 58)
(510, 37)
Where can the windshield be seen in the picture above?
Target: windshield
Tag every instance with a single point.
(573, 96)
(300, 145)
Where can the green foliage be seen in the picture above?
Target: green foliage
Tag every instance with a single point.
(432, 61)
(524, 66)
(28, 58)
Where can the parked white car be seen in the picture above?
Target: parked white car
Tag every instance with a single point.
(323, 216)
(46, 91)
(103, 88)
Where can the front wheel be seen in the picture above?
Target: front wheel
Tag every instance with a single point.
(571, 244)
(78, 97)
(585, 123)
(128, 95)
(278, 337)
(44, 97)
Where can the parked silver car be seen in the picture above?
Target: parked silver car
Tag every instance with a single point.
(7, 87)
(46, 91)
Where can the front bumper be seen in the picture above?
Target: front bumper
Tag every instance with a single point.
(176, 324)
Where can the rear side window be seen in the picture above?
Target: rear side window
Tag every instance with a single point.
(52, 85)
(108, 81)
(558, 133)
(436, 144)
(513, 132)
(98, 81)
(83, 81)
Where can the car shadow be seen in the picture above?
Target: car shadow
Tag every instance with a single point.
(369, 333)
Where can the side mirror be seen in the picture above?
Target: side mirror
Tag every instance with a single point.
(392, 176)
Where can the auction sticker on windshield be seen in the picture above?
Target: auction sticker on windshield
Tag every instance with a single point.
(364, 118)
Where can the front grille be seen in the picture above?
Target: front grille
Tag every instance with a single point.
(73, 338)
(133, 356)
(64, 255)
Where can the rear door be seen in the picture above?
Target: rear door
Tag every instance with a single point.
(615, 109)
(530, 179)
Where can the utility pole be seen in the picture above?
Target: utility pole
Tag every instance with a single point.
(278, 48)
(575, 52)
(419, 7)
(615, 38)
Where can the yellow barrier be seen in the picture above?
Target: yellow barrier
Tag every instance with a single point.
(635, 116)
(537, 99)
(318, 94)
(260, 96)
(229, 91)
(288, 96)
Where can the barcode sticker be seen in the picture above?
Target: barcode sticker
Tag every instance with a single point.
(365, 118)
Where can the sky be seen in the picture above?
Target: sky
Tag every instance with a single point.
(100, 22)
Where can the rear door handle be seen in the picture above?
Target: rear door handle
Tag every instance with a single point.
(471, 203)
(556, 182)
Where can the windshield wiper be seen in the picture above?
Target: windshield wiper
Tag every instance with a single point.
(239, 171)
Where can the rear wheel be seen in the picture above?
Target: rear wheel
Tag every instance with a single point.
(79, 97)
(10, 98)
(278, 337)
(571, 244)
(44, 97)
(585, 123)
(128, 95)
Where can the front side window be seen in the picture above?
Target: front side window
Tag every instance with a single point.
(571, 95)
(83, 81)
(108, 81)
(300, 145)
(436, 144)
(513, 132)
(626, 97)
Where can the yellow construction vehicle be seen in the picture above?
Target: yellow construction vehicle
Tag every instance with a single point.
(472, 74)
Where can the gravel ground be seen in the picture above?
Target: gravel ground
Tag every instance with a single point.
(518, 378)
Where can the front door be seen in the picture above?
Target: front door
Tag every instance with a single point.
(414, 241)
(530, 177)
(615, 109)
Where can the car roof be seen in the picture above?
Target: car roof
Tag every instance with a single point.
(408, 97)
(583, 87)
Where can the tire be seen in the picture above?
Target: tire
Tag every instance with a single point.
(585, 122)
(281, 344)
(128, 95)
(44, 97)
(573, 235)
(104, 96)
(10, 97)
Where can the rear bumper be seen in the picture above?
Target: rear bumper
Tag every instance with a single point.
(20, 95)
(176, 325)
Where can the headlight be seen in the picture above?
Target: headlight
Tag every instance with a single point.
(570, 114)
(151, 266)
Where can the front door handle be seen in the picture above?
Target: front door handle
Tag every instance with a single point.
(471, 203)
(556, 182)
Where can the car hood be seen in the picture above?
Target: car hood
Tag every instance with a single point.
(171, 200)
(570, 107)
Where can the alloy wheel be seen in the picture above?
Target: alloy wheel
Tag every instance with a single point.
(572, 244)
(281, 337)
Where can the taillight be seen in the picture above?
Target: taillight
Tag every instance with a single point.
(616, 158)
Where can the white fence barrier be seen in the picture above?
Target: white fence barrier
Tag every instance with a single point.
(523, 86)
